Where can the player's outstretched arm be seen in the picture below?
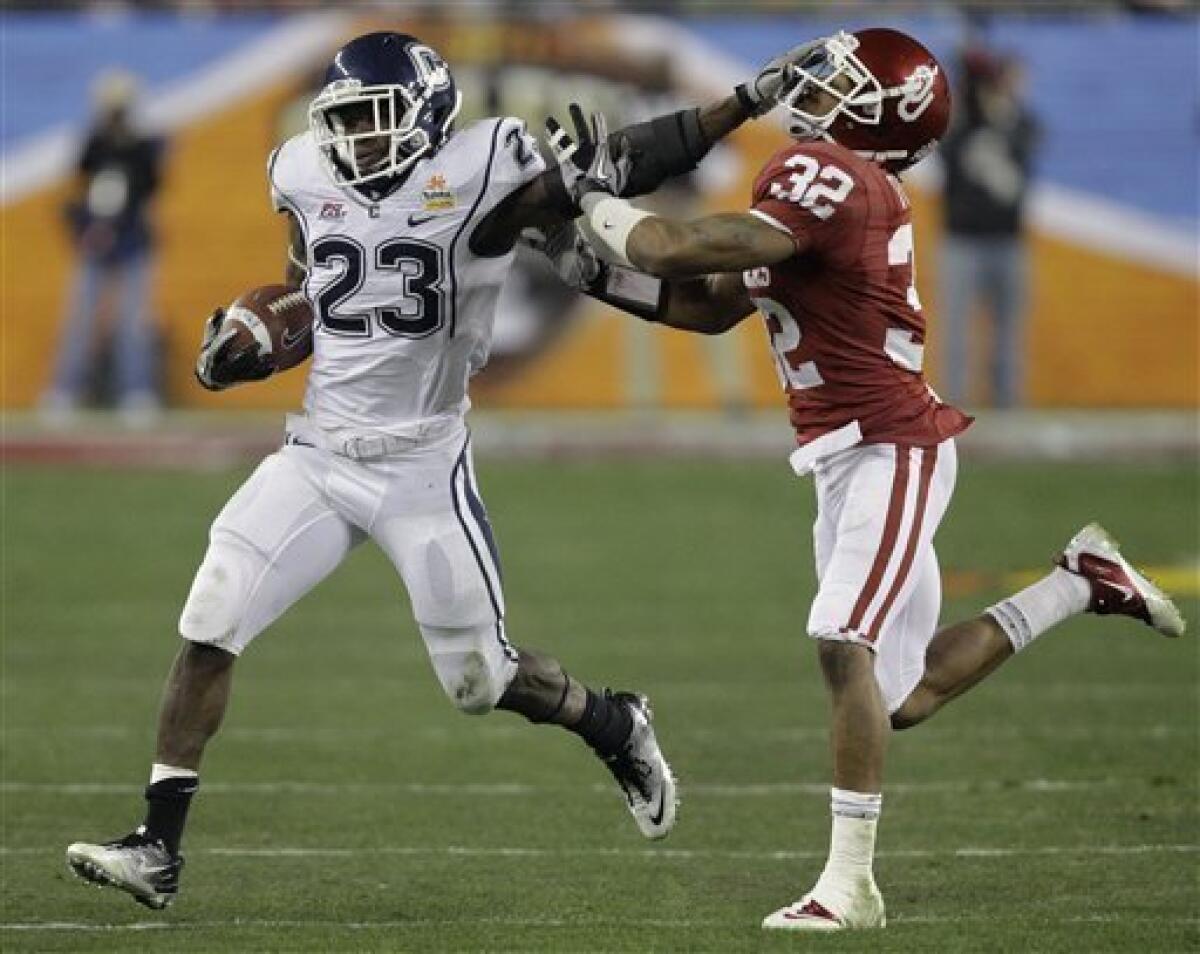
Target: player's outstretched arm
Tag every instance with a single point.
(658, 149)
(663, 147)
(709, 304)
(728, 242)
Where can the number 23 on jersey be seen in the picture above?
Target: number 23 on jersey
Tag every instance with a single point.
(414, 266)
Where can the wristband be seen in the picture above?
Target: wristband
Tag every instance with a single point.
(742, 92)
(612, 220)
(637, 293)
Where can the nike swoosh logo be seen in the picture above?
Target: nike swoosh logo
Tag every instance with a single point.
(657, 817)
(416, 219)
(1125, 591)
(289, 340)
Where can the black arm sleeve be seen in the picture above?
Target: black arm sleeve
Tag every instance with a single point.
(660, 148)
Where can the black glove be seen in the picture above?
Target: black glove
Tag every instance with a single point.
(219, 366)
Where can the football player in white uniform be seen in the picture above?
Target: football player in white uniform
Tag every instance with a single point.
(402, 232)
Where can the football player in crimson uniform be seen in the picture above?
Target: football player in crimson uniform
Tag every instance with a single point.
(402, 232)
(825, 254)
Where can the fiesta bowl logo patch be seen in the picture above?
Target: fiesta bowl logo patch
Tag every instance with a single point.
(332, 210)
(437, 195)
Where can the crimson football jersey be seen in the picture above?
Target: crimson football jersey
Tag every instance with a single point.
(843, 314)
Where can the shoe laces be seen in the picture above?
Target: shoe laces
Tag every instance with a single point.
(148, 849)
(135, 839)
(632, 774)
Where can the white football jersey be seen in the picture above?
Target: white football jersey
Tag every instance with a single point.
(404, 310)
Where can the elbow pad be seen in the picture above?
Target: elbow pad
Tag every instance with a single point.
(663, 147)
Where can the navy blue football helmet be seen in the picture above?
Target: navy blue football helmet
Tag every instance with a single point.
(388, 100)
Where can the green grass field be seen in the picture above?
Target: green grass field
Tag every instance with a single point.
(347, 807)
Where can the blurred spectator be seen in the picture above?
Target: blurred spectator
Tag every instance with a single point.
(118, 175)
(987, 156)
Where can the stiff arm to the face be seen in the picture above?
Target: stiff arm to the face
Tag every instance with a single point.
(667, 146)
(700, 262)
(544, 204)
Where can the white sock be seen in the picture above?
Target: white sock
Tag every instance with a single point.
(158, 772)
(1055, 597)
(852, 842)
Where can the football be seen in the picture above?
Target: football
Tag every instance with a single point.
(277, 316)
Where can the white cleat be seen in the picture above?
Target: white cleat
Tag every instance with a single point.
(643, 773)
(863, 911)
(143, 868)
(1117, 587)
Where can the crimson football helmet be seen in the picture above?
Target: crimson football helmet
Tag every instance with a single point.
(891, 96)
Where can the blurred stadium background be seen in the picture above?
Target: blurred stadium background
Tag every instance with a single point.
(1114, 210)
(103, 523)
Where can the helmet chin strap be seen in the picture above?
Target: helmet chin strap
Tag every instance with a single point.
(374, 189)
(805, 133)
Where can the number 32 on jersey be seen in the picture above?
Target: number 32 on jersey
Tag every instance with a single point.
(786, 334)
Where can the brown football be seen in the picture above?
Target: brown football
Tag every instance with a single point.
(283, 315)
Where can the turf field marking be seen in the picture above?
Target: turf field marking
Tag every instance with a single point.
(690, 854)
(523, 789)
(662, 854)
(1055, 692)
(1179, 579)
(136, 926)
(1085, 732)
(355, 925)
(1077, 919)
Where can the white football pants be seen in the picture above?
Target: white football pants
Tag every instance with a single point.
(305, 508)
(878, 507)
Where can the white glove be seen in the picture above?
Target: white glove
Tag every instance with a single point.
(760, 94)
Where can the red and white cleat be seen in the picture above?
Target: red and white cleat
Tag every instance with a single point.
(809, 914)
(1118, 588)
